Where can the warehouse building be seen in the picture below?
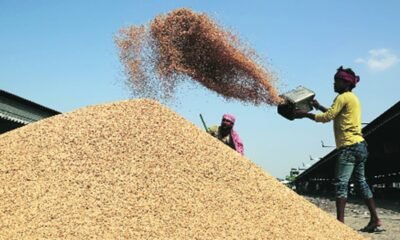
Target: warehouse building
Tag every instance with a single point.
(383, 165)
(16, 111)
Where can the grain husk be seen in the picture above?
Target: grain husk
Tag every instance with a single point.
(185, 45)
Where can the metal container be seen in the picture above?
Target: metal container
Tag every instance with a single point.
(298, 99)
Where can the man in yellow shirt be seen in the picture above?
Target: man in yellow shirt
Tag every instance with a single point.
(352, 148)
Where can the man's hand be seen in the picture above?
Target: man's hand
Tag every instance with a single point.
(315, 104)
(300, 114)
(318, 106)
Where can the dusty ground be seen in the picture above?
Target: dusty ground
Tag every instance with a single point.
(357, 216)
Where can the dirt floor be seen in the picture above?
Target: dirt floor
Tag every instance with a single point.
(357, 216)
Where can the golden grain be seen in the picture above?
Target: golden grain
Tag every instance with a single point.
(137, 170)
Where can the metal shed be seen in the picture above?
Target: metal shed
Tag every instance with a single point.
(16, 111)
(383, 165)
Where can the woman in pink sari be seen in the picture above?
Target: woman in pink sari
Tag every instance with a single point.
(226, 134)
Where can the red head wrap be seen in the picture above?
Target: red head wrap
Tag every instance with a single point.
(348, 77)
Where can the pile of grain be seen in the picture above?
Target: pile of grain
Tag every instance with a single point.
(182, 43)
(136, 170)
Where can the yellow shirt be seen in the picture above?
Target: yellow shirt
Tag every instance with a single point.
(346, 115)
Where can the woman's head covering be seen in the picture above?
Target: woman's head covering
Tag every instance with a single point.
(229, 117)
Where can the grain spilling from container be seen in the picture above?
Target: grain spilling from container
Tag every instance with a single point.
(136, 170)
(183, 44)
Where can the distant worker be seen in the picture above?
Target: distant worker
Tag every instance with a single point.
(226, 134)
(352, 148)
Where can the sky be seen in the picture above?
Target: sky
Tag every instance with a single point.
(61, 54)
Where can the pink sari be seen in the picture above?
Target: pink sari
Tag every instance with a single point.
(237, 142)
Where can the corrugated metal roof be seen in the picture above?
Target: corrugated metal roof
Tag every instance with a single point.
(18, 110)
(27, 102)
(21, 111)
(380, 121)
(14, 119)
